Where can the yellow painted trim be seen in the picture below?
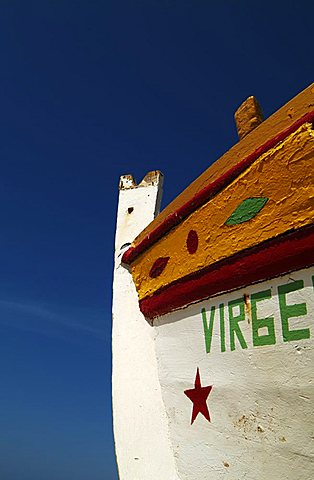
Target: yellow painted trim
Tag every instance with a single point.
(282, 174)
(268, 129)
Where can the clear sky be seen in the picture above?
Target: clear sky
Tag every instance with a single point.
(90, 90)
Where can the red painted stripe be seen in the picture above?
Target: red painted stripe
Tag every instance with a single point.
(208, 192)
(274, 257)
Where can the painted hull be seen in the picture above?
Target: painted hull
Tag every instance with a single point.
(213, 314)
(265, 212)
(259, 362)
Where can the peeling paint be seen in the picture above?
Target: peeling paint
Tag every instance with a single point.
(277, 175)
(257, 405)
(244, 338)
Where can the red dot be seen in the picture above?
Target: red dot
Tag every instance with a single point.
(158, 267)
(192, 241)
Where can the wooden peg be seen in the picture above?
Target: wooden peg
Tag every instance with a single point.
(248, 116)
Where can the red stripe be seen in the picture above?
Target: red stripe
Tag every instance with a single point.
(274, 257)
(201, 197)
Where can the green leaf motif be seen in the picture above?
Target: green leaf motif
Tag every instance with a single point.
(247, 210)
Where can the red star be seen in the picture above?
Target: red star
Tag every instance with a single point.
(198, 396)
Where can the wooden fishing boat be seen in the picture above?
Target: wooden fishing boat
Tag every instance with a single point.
(213, 311)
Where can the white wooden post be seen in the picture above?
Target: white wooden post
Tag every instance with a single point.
(142, 442)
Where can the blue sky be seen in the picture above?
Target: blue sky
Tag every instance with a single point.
(90, 90)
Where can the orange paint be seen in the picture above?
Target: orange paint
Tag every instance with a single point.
(277, 175)
(274, 125)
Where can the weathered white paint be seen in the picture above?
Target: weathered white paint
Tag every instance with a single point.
(261, 404)
(142, 442)
(262, 399)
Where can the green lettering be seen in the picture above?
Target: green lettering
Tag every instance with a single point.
(208, 329)
(222, 328)
(257, 323)
(288, 311)
(234, 323)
